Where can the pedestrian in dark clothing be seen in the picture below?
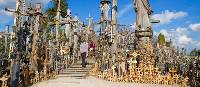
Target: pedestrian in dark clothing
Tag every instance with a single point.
(84, 52)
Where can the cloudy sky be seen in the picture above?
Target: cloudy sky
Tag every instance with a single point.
(180, 19)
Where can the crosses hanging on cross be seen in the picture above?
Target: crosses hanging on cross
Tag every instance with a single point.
(134, 54)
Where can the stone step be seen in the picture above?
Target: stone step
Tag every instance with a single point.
(81, 64)
(74, 73)
(74, 77)
(78, 68)
(68, 71)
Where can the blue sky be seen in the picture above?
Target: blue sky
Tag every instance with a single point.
(180, 19)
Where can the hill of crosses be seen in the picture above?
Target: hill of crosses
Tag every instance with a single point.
(55, 47)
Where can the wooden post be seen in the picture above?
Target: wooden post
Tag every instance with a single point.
(34, 53)
(114, 30)
(15, 63)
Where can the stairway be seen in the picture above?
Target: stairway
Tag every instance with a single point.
(76, 71)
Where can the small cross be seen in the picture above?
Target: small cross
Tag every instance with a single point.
(173, 71)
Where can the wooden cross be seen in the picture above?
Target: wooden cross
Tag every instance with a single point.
(172, 71)
(150, 69)
(100, 75)
(113, 68)
(138, 70)
(45, 69)
(134, 54)
(6, 34)
(175, 78)
(132, 65)
(184, 82)
(156, 71)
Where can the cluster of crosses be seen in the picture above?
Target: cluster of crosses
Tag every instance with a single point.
(132, 57)
(36, 53)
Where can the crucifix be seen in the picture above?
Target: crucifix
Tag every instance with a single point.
(172, 71)
(132, 67)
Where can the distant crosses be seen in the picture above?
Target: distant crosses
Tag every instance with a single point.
(89, 27)
(6, 35)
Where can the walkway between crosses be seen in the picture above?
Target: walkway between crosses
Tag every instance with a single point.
(76, 76)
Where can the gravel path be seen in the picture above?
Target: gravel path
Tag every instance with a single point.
(90, 82)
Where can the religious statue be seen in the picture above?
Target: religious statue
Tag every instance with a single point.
(143, 21)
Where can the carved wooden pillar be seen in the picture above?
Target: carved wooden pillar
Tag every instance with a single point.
(34, 53)
(114, 30)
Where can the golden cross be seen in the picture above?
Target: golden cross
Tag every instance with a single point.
(173, 71)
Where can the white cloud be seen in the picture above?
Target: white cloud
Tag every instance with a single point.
(182, 30)
(179, 36)
(11, 3)
(1, 1)
(7, 3)
(43, 2)
(127, 8)
(195, 27)
(6, 13)
(167, 16)
(197, 43)
(184, 40)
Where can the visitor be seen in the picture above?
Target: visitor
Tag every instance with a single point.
(84, 52)
(92, 49)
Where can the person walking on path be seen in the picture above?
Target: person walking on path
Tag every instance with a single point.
(84, 52)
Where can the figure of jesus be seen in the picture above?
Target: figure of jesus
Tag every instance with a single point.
(143, 11)
(143, 19)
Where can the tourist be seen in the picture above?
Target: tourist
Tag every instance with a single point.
(84, 52)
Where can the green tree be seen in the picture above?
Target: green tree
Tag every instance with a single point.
(161, 39)
(51, 12)
(195, 52)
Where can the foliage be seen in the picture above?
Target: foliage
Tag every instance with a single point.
(52, 11)
(195, 52)
(168, 44)
(161, 39)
